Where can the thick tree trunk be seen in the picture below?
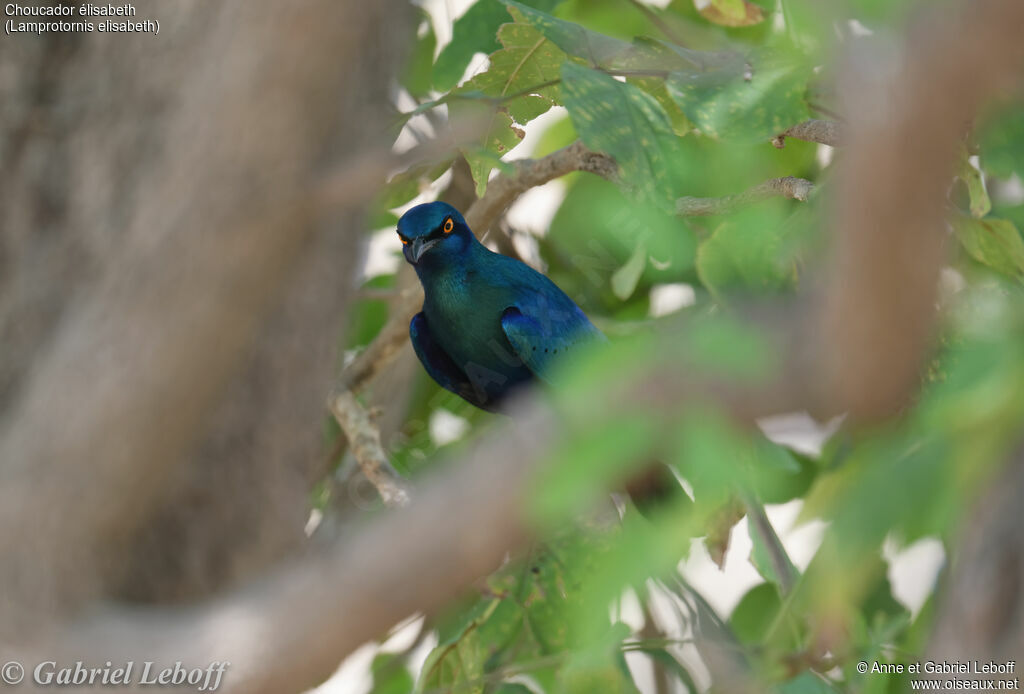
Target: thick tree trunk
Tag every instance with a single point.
(170, 306)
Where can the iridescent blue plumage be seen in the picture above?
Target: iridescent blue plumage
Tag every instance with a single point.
(490, 323)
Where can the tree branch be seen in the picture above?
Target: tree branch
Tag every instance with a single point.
(787, 187)
(364, 442)
(823, 132)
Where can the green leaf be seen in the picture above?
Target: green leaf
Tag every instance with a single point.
(732, 13)
(754, 614)
(500, 134)
(390, 675)
(595, 48)
(406, 185)
(1001, 142)
(595, 232)
(654, 86)
(525, 64)
(778, 487)
(748, 251)
(627, 123)
(461, 660)
(369, 316)
(807, 683)
(520, 77)
(625, 279)
(474, 32)
(993, 242)
(417, 75)
(981, 205)
(584, 468)
(513, 688)
(751, 105)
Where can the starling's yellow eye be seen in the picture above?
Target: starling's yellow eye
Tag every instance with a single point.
(448, 225)
(405, 241)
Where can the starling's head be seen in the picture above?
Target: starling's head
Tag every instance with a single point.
(431, 230)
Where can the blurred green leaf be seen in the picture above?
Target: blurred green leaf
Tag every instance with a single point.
(406, 185)
(732, 13)
(993, 242)
(1001, 142)
(584, 469)
(597, 228)
(755, 613)
(627, 123)
(965, 171)
(722, 345)
(750, 104)
(807, 683)
(777, 486)
(368, 316)
(654, 86)
(749, 251)
(513, 688)
(625, 279)
(761, 557)
(418, 70)
(390, 675)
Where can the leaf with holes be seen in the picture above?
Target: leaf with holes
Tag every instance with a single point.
(474, 32)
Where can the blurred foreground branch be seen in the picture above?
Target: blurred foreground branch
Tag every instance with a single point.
(787, 187)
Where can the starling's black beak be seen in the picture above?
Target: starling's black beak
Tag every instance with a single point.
(417, 247)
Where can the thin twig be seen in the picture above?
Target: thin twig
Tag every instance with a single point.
(788, 187)
(364, 441)
(824, 132)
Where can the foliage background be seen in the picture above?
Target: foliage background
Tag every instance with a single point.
(687, 101)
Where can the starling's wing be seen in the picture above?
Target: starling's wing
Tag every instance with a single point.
(542, 332)
(441, 367)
